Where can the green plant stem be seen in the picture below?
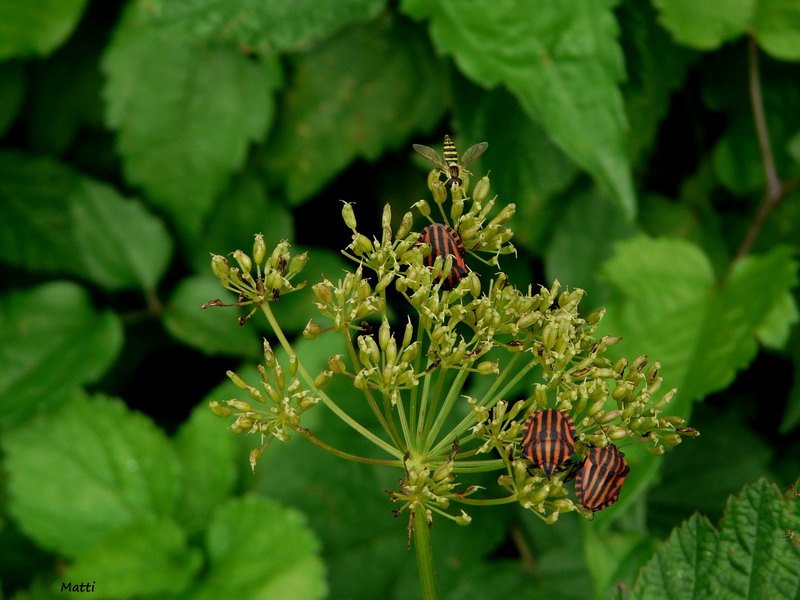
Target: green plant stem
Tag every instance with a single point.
(447, 407)
(424, 551)
(327, 400)
(346, 455)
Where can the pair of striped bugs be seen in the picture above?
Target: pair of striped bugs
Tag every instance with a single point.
(443, 239)
(549, 441)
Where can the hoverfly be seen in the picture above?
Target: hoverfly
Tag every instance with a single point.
(449, 165)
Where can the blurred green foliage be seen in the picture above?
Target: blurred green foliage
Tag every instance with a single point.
(138, 137)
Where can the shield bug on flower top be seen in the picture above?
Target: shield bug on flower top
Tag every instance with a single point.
(450, 164)
(601, 477)
(444, 240)
(548, 439)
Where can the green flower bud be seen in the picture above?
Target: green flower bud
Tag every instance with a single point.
(293, 361)
(272, 393)
(269, 355)
(336, 364)
(259, 249)
(596, 316)
(255, 395)
(220, 266)
(241, 425)
(361, 244)
(384, 333)
(611, 415)
(297, 264)
(423, 207)
(348, 215)
(671, 439)
(322, 292)
(456, 210)
(504, 215)
(408, 334)
(321, 381)
(384, 282)
(619, 366)
(360, 382)
(638, 363)
(240, 405)
(220, 410)
(244, 261)
(481, 191)
(236, 380)
(463, 519)
(386, 217)
(439, 192)
(311, 330)
(405, 225)
(488, 367)
(255, 454)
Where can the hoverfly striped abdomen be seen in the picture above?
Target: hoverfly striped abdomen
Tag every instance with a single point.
(601, 477)
(450, 166)
(444, 240)
(548, 439)
(451, 159)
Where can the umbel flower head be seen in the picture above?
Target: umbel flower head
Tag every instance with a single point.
(533, 351)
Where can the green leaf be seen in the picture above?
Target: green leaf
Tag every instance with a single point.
(777, 28)
(774, 331)
(207, 451)
(64, 106)
(666, 304)
(749, 557)
(51, 341)
(36, 27)
(67, 223)
(182, 143)
(12, 91)
(678, 570)
(705, 25)
(78, 474)
(143, 557)
(582, 238)
(562, 64)
(260, 24)
(122, 245)
(656, 68)
(526, 167)
(258, 549)
(212, 330)
(614, 556)
(355, 95)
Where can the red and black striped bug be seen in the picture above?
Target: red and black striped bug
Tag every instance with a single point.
(548, 439)
(445, 240)
(601, 477)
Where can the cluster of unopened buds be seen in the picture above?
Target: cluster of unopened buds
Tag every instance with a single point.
(460, 327)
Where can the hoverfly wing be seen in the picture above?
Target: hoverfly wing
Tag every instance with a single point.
(431, 155)
(473, 153)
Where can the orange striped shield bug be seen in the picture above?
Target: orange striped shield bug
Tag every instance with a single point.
(601, 477)
(445, 240)
(548, 439)
(450, 165)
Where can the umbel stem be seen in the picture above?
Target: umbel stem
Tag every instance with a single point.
(424, 551)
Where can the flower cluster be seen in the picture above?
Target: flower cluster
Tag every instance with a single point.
(414, 377)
